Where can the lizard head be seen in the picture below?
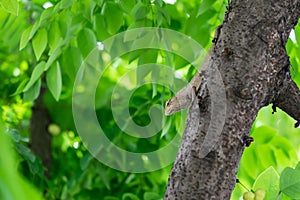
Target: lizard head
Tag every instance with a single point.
(171, 106)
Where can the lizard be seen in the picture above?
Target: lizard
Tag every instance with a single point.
(186, 95)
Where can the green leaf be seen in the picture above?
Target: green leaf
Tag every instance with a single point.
(155, 76)
(129, 196)
(180, 62)
(263, 134)
(11, 6)
(141, 73)
(298, 166)
(4, 18)
(204, 6)
(131, 35)
(141, 42)
(88, 7)
(71, 61)
(20, 87)
(55, 37)
(34, 28)
(33, 92)
(290, 182)
(100, 27)
(15, 135)
(127, 5)
(297, 33)
(53, 56)
(151, 196)
(265, 156)
(86, 41)
(25, 38)
(99, 2)
(249, 162)
(65, 20)
(104, 177)
(113, 16)
(66, 3)
(284, 145)
(268, 180)
(140, 11)
(145, 22)
(166, 127)
(148, 56)
(159, 3)
(154, 88)
(37, 72)
(46, 14)
(54, 81)
(85, 161)
(202, 27)
(25, 151)
(282, 196)
(39, 43)
(165, 14)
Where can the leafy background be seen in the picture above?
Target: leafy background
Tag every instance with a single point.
(43, 44)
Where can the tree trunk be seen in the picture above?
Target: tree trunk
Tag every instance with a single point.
(250, 55)
(40, 138)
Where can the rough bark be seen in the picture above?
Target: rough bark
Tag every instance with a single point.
(40, 138)
(251, 57)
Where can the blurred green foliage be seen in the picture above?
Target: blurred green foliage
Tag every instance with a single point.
(48, 50)
(12, 184)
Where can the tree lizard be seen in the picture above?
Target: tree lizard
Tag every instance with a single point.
(186, 95)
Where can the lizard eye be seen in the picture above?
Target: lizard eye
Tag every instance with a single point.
(168, 103)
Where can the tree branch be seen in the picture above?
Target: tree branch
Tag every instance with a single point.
(249, 53)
